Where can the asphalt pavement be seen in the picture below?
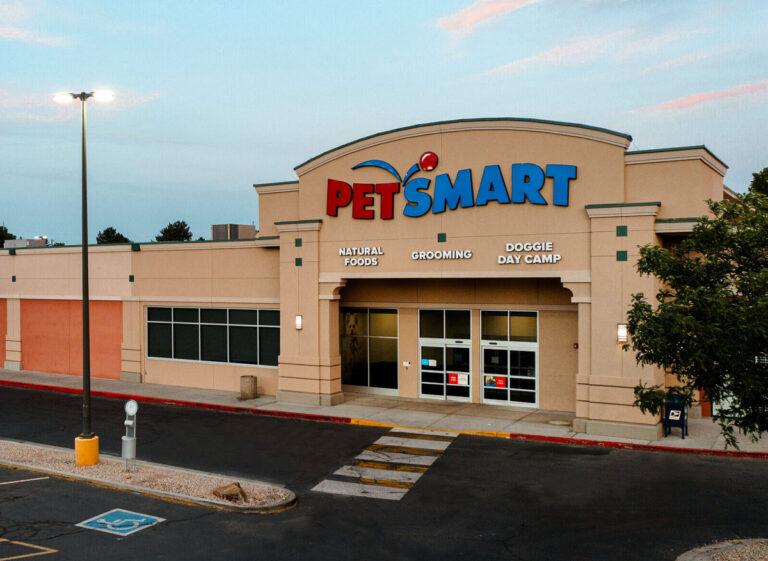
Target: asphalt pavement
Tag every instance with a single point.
(483, 499)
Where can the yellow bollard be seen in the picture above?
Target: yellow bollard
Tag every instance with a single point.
(86, 451)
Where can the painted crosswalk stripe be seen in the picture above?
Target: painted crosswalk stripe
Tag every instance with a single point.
(413, 443)
(379, 456)
(360, 489)
(378, 474)
(388, 468)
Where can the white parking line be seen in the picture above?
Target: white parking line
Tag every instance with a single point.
(375, 473)
(359, 490)
(413, 443)
(23, 480)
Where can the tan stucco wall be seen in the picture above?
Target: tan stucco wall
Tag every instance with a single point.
(682, 186)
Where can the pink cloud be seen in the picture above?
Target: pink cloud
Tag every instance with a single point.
(15, 20)
(694, 100)
(579, 51)
(479, 12)
(26, 36)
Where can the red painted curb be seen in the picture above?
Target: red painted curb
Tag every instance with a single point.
(348, 420)
(180, 402)
(640, 447)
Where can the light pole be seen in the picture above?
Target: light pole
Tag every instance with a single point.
(87, 444)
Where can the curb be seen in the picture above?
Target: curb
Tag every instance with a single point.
(274, 508)
(610, 444)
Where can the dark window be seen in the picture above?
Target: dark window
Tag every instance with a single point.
(213, 342)
(159, 314)
(269, 345)
(457, 324)
(187, 315)
(244, 317)
(159, 338)
(244, 345)
(186, 342)
(431, 324)
(368, 347)
(209, 334)
(213, 315)
(269, 317)
(494, 326)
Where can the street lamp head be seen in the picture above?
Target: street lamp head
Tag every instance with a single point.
(63, 98)
(103, 96)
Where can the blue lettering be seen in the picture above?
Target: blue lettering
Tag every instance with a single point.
(451, 194)
(527, 181)
(492, 187)
(418, 201)
(561, 176)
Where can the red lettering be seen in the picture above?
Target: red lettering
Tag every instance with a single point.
(387, 192)
(362, 200)
(339, 195)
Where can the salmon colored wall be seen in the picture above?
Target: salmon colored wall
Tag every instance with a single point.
(3, 329)
(51, 337)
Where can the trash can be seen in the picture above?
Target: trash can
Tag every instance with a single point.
(248, 387)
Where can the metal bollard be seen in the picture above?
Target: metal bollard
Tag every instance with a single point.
(129, 440)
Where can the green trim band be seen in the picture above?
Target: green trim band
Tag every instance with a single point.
(306, 221)
(618, 205)
(677, 149)
(276, 183)
(478, 120)
(674, 220)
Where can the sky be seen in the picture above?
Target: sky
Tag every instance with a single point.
(212, 97)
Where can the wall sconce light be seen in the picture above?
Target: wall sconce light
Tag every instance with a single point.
(622, 334)
(299, 322)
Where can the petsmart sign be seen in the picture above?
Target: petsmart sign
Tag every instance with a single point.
(526, 185)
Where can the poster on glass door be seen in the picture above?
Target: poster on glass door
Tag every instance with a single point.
(457, 379)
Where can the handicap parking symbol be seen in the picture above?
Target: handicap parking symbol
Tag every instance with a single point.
(120, 522)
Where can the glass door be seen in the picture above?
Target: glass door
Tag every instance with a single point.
(510, 358)
(445, 354)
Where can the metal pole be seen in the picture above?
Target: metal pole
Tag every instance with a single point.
(87, 424)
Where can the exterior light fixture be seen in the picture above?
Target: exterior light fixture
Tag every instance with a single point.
(622, 334)
(299, 322)
(87, 444)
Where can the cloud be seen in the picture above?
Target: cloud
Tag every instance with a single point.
(479, 12)
(677, 62)
(578, 51)
(15, 26)
(701, 98)
(35, 107)
(653, 43)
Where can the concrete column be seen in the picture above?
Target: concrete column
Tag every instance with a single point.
(605, 383)
(309, 362)
(131, 345)
(582, 298)
(13, 334)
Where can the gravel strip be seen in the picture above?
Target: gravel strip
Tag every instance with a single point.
(733, 550)
(152, 477)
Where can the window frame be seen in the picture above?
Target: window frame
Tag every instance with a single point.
(200, 323)
(368, 387)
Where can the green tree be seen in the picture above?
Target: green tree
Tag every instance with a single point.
(759, 182)
(5, 235)
(111, 235)
(709, 324)
(175, 232)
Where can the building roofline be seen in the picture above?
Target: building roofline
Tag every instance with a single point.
(677, 149)
(624, 136)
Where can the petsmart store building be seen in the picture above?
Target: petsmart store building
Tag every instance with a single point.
(488, 261)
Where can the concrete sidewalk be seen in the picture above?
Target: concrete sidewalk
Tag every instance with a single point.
(390, 411)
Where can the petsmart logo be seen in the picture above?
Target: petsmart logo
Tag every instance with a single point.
(527, 182)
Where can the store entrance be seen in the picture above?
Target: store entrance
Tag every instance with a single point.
(445, 352)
